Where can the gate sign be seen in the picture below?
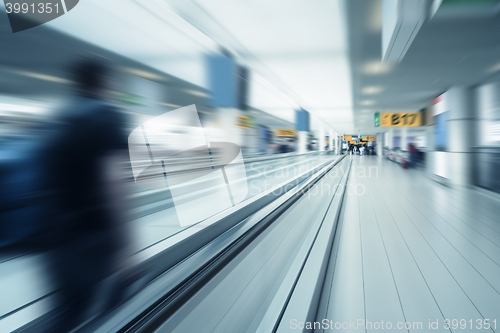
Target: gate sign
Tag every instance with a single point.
(245, 122)
(401, 119)
(285, 132)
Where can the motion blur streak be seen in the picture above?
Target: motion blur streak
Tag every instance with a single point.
(138, 136)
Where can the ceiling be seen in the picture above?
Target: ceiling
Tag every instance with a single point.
(295, 62)
(458, 46)
(324, 56)
(297, 46)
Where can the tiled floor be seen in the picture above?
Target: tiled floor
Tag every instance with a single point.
(413, 251)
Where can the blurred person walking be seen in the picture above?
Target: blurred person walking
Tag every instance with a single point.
(84, 174)
(413, 151)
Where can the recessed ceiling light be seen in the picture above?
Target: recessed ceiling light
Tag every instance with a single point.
(8, 108)
(372, 90)
(170, 105)
(144, 74)
(197, 93)
(367, 102)
(376, 67)
(44, 77)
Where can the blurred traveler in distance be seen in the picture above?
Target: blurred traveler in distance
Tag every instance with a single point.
(85, 156)
(413, 152)
(286, 146)
(283, 147)
(362, 150)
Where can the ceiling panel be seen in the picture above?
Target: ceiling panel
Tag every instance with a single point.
(453, 48)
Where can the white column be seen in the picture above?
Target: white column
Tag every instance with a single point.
(337, 144)
(380, 144)
(453, 161)
(302, 142)
(388, 139)
(321, 138)
(229, 131)
(461, 125)
(404, 138)
(330, 135)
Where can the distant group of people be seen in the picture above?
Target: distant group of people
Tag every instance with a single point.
(286, 146)
(361, 150)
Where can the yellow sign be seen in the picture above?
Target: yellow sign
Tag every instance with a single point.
(401, 119)
(285, 132)
(347, 137)
(353, 142)
(244, 122)
(369, 138)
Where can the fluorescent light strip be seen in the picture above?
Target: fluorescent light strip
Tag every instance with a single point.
(44, 77)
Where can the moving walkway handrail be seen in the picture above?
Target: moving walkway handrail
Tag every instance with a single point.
(216, 165)
(175, 249)
(201, 266)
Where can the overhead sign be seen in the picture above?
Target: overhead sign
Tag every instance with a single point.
(244, 122)
(347, 137)
(401, 119)
(377, 120)
(369, 138)
(285, 132)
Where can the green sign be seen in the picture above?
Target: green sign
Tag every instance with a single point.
(377, 119)
(131, 99)
(245, 122)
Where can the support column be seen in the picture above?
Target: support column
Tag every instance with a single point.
(330, 137)
(404, 138)
(321, 139)
(338, 142)
(222, 75)
(430, 128)
(452, 134)
(302, 126)
(461, 124)
(302, 142)
(486, 161)
(389, 139)
(380, 144)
